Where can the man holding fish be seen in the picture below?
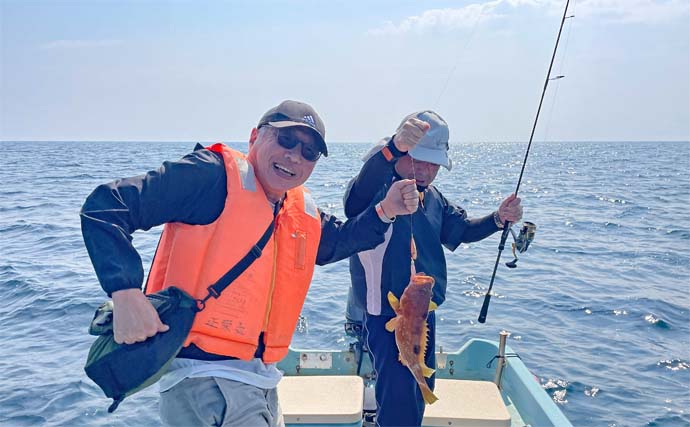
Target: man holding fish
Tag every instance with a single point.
(399, 322)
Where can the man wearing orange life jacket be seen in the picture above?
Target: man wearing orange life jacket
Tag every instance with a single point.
(216, 204)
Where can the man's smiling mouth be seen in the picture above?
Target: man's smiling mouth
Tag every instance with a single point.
(283, 169)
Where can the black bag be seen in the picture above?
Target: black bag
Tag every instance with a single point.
(121, 370)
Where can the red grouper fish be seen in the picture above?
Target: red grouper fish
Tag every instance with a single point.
(411, 329)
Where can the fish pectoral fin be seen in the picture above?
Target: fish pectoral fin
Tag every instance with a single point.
(391, 324)
(427, 371)
(393, 301)
(432, 306)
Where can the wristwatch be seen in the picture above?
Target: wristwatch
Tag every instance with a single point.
(497, 220)
(382, 216)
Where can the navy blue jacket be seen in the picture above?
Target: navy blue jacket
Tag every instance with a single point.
(437, 223)
(193, 191)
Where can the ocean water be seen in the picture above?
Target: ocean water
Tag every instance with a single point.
(598, 309)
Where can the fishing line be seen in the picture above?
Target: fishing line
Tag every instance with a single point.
(413, 246)
(463, 49)
(460, 55)
(506, 225)
(564, 56)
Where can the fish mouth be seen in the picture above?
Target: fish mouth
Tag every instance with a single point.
(421, 279)
(283, 171)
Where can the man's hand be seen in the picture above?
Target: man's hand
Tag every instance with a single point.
(409, 134)
(134, 317)
(510, 209)
(402, 198)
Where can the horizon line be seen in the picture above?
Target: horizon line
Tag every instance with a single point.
(339, 142)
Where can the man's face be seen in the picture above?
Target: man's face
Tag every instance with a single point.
(424, 172)
(279, 169)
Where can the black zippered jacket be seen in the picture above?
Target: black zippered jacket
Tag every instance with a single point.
(191, 190)
(437, 223)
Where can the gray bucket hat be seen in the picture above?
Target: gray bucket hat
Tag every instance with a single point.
(433, 147)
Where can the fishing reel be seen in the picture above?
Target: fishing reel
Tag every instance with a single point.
(521, 241)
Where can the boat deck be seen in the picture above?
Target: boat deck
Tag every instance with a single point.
(329, 388)
(312, 401)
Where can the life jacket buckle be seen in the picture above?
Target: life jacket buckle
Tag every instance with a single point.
(201, 303)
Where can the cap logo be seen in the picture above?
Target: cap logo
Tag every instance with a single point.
(309, 120)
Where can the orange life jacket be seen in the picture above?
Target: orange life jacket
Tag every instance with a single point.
(269, 295)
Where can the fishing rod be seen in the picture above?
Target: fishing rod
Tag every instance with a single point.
(506, 224)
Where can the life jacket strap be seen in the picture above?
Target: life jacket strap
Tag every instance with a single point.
(226, 280)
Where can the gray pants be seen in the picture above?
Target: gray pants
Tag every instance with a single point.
(211, 401)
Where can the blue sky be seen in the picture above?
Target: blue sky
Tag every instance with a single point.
(206, 71)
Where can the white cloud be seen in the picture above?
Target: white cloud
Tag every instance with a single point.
(468, 16)
(79, 44)
(634, 10)
(444, 19)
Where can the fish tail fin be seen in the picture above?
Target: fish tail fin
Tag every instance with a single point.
(429, 396)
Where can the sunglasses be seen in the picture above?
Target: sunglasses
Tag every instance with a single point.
(309, 151)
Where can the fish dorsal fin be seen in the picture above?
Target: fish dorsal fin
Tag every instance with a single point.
(426, 371)
(393, 301)
(391, 324)
(423, 341)
(432, 306)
